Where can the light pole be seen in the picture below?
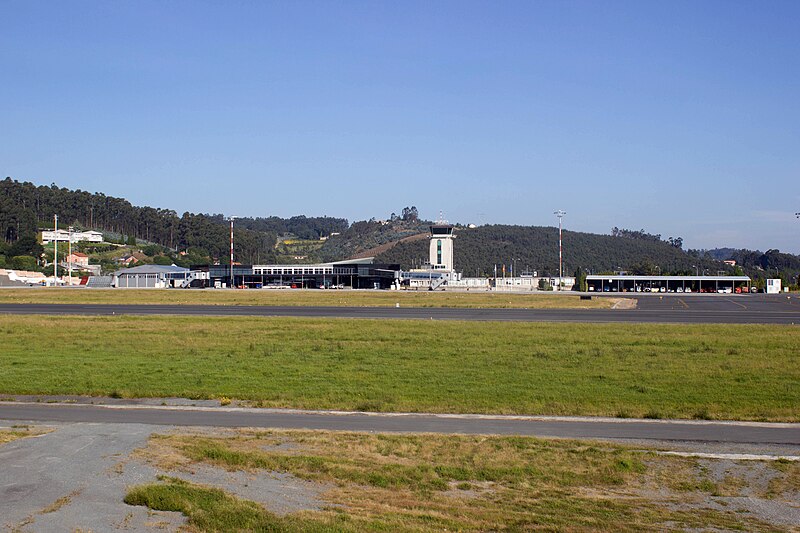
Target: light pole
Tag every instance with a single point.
(55, 250)
(232, 219)
(560, 214)
(69, 261)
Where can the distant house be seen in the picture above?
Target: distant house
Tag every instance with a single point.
(730, 262)
(131, 259)
(79, 259)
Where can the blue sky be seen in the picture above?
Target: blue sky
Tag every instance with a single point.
(682, 118)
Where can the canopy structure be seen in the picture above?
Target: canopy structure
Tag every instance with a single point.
(626, 283)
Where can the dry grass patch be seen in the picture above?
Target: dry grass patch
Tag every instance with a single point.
(60, 502)
(467, 483)
(788, 483)
(19, 432)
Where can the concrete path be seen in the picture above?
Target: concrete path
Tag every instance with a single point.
(75, 478)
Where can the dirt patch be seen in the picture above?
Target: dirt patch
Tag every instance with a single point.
(625, 303)
(279, 493)
(742, 487)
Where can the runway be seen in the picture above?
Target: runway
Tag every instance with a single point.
(686, 309)
(579, 428)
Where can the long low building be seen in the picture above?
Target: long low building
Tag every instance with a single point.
(627, 283)
(357, 274)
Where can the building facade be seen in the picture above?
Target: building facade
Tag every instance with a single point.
(356, 274)
(61, 235)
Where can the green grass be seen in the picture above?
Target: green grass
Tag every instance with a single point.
(659, 371)
(338, 298)
(210, 509)
(435, 483)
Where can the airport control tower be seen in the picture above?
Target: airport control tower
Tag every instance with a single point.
(441, 250)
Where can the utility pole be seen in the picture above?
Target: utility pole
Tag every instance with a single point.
(560, 214)
(55, 250)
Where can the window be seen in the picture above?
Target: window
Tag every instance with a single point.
(439, 251)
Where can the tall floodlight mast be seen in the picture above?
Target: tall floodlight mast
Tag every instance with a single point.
(232, 219)
(69, 260)
(55, 251)
(560, 214)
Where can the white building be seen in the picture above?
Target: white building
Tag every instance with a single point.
(773, 286)
(439, 269)
(61, 235)
(441, 247)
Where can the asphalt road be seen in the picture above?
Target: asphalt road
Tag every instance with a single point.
(723, 309)
(661, 430)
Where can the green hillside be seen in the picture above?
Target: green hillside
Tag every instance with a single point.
(164, 237)
(477, 250)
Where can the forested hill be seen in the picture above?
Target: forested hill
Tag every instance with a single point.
(773, 262)
(477, 250)
(25, 208)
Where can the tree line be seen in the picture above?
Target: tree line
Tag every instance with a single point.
(26, 209)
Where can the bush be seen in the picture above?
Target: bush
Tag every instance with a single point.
(23, 262)
(152, 250)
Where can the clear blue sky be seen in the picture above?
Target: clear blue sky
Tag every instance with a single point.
(682, 118)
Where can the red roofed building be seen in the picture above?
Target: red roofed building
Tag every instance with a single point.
(77, 258)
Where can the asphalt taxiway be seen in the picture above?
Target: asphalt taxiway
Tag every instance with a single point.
(744, 433)
(672, 308)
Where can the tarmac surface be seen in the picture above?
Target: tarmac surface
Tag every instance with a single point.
(785, 436)
(668, 308)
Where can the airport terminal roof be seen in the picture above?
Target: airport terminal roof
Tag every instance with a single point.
(151, 269)
(626, 277)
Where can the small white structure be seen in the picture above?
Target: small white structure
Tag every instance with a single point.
(773, 286)
(61, 235)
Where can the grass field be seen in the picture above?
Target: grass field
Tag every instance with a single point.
(642, 370)
(342, 298)
(459, 483)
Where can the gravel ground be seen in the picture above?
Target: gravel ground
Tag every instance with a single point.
(279, 493)
(75, 477)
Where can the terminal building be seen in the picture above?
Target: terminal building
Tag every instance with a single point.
(356, 274)
(626, 283)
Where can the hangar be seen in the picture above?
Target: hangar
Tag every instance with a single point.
(626, 283)
(151, 276)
